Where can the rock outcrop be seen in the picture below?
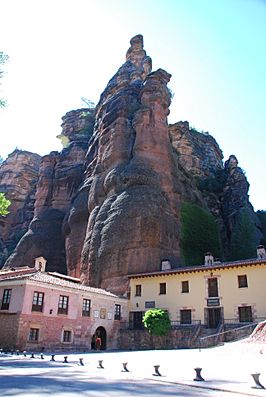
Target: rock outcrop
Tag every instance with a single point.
(133, 221)
(60, 175)
(198, 152)
(110, 203)
(18, 178)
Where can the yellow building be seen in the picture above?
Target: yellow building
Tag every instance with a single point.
(212, 294)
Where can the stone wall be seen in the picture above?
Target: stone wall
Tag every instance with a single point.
(180, 338)
(8, 330)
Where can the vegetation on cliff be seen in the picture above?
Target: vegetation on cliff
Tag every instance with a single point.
(199, 234)
(244, 238)
(4, 204)
(262, 218)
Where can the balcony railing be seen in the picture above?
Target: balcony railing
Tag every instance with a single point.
(177, 324)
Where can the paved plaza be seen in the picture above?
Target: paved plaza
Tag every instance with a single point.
(226, 371)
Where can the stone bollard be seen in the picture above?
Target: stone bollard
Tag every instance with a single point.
(17, 351)
(256, 376)
(125, 367)
(198, 378)
(81, 361)
(65, 359)
(32, 355)
(52, 357)
(42, 356)
(100, 364)
(24, 353)
(156, 369)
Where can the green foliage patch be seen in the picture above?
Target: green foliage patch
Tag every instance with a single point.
(199, 234)
(4, 204)
(157, 322)
(262, 217)
(244, 238)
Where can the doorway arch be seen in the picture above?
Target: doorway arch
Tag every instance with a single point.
(101, 332)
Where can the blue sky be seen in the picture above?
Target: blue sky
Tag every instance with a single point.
(62, 50)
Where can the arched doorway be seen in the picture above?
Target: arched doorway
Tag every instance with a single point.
(101, 333)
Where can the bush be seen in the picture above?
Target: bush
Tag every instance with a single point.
(157, 322)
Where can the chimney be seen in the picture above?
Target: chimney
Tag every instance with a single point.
(40, 263)
(208, 259)
(261, 254)
(165, 265)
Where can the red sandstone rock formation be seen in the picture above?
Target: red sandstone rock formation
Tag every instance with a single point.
(122, 215)
(133, 222)
(18, 177)
(198, 152)
(60, 176)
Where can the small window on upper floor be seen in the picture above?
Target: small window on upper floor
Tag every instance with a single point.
(162, 289)
(6, 299)
(37, 301)
(242, 281)
(86, 308)
(213, 287)
(117, 312)
(184, 286)
(138, 290)
(63, 305)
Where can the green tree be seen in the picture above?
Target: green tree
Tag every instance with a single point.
(262, 217)
(4, 204)
(157, 322)
(3, 59)
(199, 234)
(244, 238)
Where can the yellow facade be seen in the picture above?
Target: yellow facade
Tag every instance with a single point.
(233, 292)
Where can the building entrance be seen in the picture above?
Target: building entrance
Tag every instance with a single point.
(100, 338)
(214, 317)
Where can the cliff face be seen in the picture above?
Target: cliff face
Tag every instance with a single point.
(109, 204)
(223, 187)
(60, 175)
(198, 153)
(18, 177)
(133, 221)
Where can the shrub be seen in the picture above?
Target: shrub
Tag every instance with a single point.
(157, 322)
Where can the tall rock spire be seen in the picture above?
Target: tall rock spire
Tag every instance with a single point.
(133, 221)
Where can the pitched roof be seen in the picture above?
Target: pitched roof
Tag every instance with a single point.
(57, 279)
(201, 268)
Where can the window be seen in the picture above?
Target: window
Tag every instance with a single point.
(37, 302)
(242, 281)
(67, 335)
(34, 335)
(212, 287)
(63, 305)
(6, 299)
(86, 308)
(135, 320)
(185, 316)
(117, 312)
(162, 289)
(185, 287)
(138, 290)
(245, 314)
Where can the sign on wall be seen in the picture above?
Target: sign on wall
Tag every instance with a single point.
(150, 304)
